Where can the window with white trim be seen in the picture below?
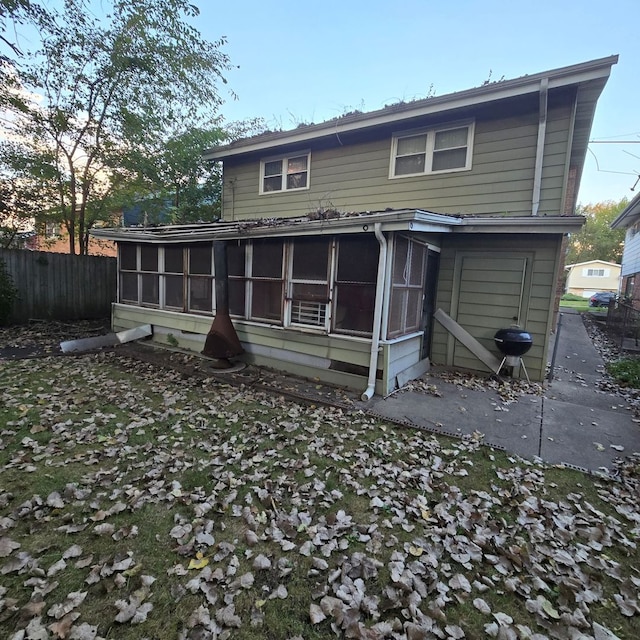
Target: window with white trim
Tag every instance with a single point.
(160, 276)
(330, 283)
(429, 151)
(265, 282)
(149, 276)
(173, 277)
(355, 284)
(309, 281)
(286, 173)
(595, 273)
(407, 287)
(200, 278)
(237, 268)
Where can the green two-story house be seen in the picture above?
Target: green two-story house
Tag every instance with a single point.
(364, 248)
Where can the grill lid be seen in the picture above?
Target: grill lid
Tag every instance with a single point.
(513, 341)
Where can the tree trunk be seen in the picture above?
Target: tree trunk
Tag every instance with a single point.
(71, 229)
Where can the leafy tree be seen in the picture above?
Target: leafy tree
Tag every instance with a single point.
(111, 90)
(597, 240)
(175, 179)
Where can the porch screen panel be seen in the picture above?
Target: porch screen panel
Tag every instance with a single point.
(201, 278)
(128, 263)
(174, 277)
(150, 279)
(407, 289)
(310, 281)
(267, 280)
(355, 284)
(236, 261)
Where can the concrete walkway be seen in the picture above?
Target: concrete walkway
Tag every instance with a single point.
(574, 422)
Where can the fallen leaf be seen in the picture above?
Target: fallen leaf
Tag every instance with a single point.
(199, 562)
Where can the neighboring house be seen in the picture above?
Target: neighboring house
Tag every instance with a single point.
(629, 219)
(52, 237)
(586, 278)
(343, 238)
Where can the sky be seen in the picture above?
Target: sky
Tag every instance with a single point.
(312, 61)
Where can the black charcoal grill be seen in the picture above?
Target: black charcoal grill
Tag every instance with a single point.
(513, 342)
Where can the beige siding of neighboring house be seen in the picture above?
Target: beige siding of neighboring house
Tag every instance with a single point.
(356, 177)
(490, 286)
(581, 284)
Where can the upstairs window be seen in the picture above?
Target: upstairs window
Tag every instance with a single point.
(432, 151)
(287, 173)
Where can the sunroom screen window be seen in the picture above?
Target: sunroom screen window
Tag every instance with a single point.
(201, 278)
(174, 277)
(309, 281)
(236, 257)
(266, 280)
(405, 312)
(128, 257)
(355, 286)
(149, 276)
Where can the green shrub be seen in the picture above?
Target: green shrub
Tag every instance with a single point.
(8, 293)
(574, 298)
(626, 372)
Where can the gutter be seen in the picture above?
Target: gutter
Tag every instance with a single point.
(367, 394)
(542, 129)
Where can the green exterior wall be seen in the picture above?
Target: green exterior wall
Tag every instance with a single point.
(301, 353)
(482, 307)
(355, 177)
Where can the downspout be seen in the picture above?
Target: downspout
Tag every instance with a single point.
(377, 314)
(542, 129)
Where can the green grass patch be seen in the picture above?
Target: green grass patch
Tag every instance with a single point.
(626, 372)
(159, 471)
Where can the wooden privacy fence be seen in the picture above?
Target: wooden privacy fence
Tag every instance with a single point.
(60, 286)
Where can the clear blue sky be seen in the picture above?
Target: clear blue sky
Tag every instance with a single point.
(308, 62)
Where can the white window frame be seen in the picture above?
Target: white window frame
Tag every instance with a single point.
(325, 309)
(210, 276)
(430, 134)
(161, 274)
(283, 182)
(593, 272)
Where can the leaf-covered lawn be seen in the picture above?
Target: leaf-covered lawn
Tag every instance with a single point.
(138, 503)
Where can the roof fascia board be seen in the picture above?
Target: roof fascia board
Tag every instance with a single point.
(597, 69)
(523, 224)
(579, 264)
(628, 215)
(412, 221)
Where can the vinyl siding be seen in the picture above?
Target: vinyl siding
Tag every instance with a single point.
(306, 354)
(579, 284)
(401, 355)
(355, 177)
(631, 254)
(481, 314)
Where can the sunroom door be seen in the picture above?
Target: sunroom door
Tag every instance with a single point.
(429, 300)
